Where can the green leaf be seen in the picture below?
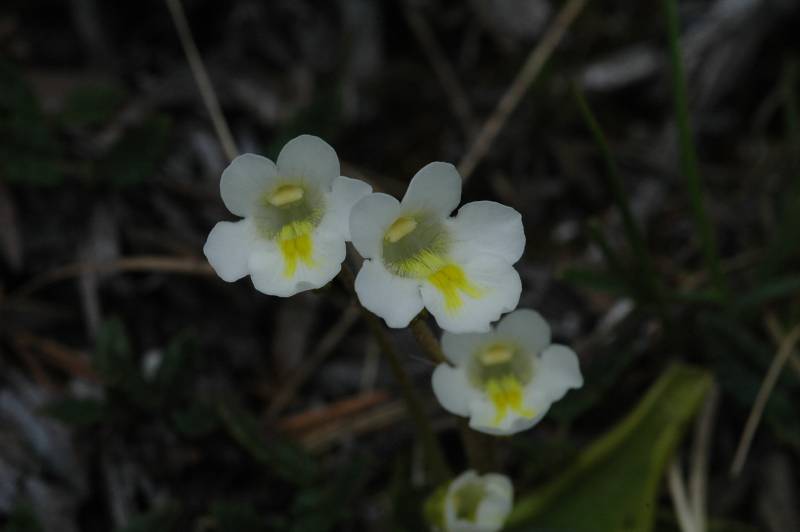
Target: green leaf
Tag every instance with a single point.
(283, 458)
(613, 485)
(174, 367)
(237, 517)
(136, 155)
(92, 105)
(29, 153)
(79, 412)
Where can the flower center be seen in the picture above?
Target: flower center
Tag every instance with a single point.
(467, 499)
(400, 228)
(284, 195)
(288, 214)
(496, 354)
(502, 370)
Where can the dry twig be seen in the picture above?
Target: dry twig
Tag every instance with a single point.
(787, 345)
(530, 70)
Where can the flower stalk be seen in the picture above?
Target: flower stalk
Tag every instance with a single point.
(433, 451)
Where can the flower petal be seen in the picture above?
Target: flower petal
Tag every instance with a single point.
(557, 371)
(244, 181)
(496, 504)
(488, 227)
(346, 192)
(499, 286)
(268, 267)
(311, 159)
(452, 388)
(527, 328)
(460, 347)
(435, 188)
(369, 219)
(395, 299)
(228, 248)
(483, 419)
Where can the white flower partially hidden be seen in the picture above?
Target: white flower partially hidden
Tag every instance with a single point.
(295, 225)
(475, 503)
(505, 380)
(459, 268)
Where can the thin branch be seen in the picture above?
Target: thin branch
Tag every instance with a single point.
(785, 349)
(323, 349)
(776, 331)
(444, 71)
(142, 263)
(202, 80)
(525, 78)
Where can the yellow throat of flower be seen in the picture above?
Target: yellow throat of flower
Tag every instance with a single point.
(451, 281)
(296, 244)
(506, 395)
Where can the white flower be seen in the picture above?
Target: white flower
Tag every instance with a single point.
(295, 225)
(505, 380)
(475, 503)
(459, 268)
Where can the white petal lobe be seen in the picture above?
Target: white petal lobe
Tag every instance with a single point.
(309, 159)
(346, 193)
(228, 248)
(369, 219)
(435, 188)
(489, 227)
(244, 181)
(395, 299)
(452, 389)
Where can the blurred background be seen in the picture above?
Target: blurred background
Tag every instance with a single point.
(139, 392)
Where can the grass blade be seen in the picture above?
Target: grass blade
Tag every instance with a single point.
(687, 151)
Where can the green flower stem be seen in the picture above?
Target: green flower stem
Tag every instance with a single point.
(427, 340)
(439, 469)
(479, 447)
(688, 156)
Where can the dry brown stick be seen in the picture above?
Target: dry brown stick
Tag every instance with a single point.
(201, 78)
(701, 447)
(325, 347)
(680, 502)
(785, 348)
(526, 76)
(776, 331)
(372, 419)
(442, 68)
(142, 263)
(74, 362)
(333, 412)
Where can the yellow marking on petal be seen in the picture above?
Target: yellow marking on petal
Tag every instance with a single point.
(505, 394)
(496, 354)
(400, 228)
(451, 281)
(285, 194)
(296, 244)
